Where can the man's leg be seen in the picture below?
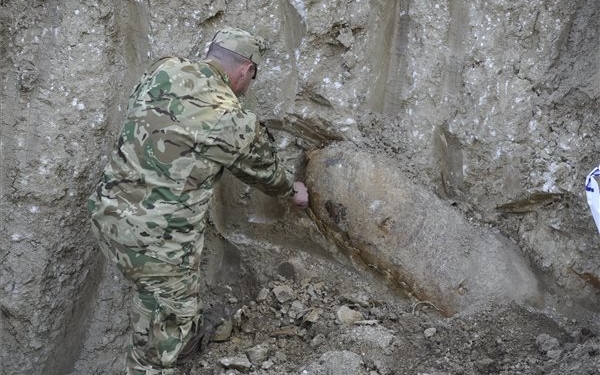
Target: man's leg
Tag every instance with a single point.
(165, 310)
(164, 314)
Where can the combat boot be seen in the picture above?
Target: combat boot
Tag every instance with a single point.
(202, 336)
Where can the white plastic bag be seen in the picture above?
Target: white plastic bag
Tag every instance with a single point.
(593, 195)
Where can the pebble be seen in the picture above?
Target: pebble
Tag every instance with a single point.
(223, 331)
(258, 354)
(348, 316)
(297, 310)
(283, 293)
(262, 295)
(238, 363)
(546, 343)
(313, 315)
(240, 316)
(429, 332)
(317, 340)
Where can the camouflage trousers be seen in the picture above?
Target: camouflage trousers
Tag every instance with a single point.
(165, 311)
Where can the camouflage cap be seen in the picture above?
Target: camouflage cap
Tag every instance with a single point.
(241, 42)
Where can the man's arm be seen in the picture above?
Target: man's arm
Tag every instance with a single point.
(258, 165)
(246, 148)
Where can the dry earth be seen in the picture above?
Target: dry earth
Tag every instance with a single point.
(311, 316)
(491, 105)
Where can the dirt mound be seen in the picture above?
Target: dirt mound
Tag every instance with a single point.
(332, 322)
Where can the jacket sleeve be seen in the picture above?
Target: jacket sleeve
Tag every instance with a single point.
(246, 149)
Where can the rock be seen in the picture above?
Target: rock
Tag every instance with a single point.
(258, 354)
(267, 365)
(287, 331)
(346, 37)
(312, 316)
(348, 316)
(223, 331)
(315, 291)
(262, 295)
(429, 332)
(280, 357)
(283, 293)
(240, 363)
(317, 340)
(546, 343)
(297, 310)
(240, 316)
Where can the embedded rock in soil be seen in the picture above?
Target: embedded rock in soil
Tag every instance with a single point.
(407, 233)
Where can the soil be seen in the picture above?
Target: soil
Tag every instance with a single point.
(317, 316)
(491, 105)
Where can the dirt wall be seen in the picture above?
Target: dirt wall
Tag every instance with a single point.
(492, 105)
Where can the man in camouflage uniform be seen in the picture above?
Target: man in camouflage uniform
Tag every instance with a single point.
(184, 125)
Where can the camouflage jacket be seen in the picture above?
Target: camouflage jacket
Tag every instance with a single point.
(183, 126)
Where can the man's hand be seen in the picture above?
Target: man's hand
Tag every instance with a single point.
(300, 198)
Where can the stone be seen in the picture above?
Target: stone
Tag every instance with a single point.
(546, 343)
(262, 295)
(240, 363)
(283, 293)
(317, 340)
(429, 332)
(240, 316)
(258, 353)
(348, 316)
(312, 316)
(297, 310)
(223, 331)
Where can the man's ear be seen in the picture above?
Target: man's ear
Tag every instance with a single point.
(248, 70)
